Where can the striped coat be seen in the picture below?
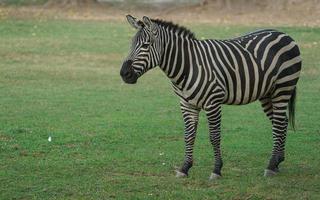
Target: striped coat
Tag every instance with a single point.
(241, 70)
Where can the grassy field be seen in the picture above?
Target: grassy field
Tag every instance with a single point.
(116, 141)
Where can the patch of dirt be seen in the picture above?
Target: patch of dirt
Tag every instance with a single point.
(273, 13)
(70, 3)
(295, 13)
(5, 138)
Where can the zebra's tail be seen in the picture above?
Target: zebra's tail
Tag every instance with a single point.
(292, 105)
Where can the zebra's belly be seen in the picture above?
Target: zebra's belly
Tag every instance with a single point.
(240, 102)
(201, 94)
(241, 92)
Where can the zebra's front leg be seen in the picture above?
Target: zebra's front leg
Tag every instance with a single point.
(190, 116)
(214, 120)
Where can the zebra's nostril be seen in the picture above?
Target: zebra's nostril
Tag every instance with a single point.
(126, 70)
(127, 74)
(124, 73)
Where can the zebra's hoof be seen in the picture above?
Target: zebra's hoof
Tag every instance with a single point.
(214, 176)
(180, 174)
(269, 173)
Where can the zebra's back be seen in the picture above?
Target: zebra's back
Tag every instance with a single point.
(248, 67)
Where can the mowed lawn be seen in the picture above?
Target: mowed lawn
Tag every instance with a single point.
(60, 79)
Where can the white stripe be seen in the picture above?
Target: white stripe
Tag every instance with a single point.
(175, 37)
(288, 78)
(266, 51)
(182, 62)
(288, 88)
(274, 62)
(238, 91)
(230, 82)
(214, 64)
(190, 67)
(284, 66)
(170, 54)
(259, 43)
(256, 79)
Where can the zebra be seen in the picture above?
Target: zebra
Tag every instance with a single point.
(263, 65)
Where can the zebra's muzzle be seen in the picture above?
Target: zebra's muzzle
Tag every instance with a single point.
(127, 73)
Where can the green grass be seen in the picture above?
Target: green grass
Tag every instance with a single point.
(116, 141)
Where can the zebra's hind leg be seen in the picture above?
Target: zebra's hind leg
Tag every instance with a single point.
(266, 103)
(214, 120)
(190, 116)
(279, 132)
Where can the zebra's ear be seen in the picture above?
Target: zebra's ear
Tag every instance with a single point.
(134, 22)
(147, 22)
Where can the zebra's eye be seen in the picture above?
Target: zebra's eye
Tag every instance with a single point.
(145, 45)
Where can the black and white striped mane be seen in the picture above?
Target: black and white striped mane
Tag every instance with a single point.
(175, 27)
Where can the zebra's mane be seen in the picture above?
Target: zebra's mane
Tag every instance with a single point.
(175, 27)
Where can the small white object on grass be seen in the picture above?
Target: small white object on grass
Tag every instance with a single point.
(49, 139)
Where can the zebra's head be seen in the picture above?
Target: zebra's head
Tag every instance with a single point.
(145, 50)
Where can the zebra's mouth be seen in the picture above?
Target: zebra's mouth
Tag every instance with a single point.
(131, 79)
(127, 73)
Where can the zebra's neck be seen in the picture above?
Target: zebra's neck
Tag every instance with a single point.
(176, 56)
